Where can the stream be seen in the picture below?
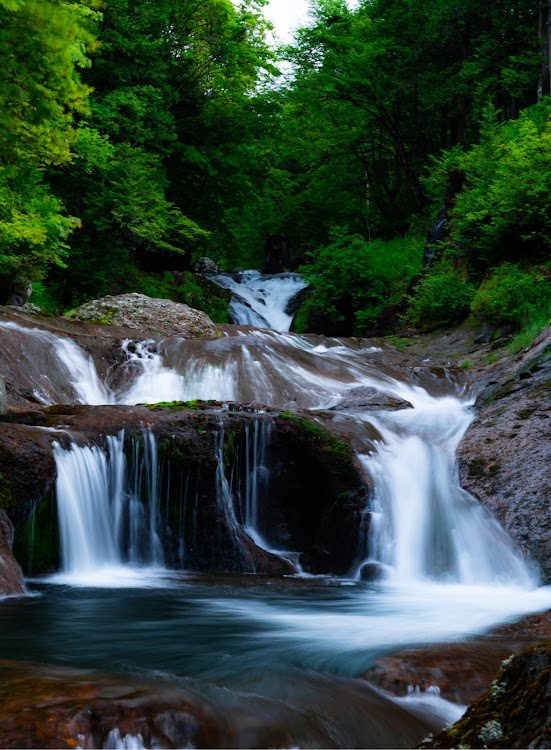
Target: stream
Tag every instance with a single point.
(279, 657)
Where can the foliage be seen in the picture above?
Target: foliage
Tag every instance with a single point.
(502, 210)
(443, 297)
(43, 44)
(513, 295)
(353, 279)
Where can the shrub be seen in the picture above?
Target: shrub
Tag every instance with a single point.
(353, 279)
(442, 298)
(513, 295)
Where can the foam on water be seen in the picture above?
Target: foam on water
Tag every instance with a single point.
(261, 300)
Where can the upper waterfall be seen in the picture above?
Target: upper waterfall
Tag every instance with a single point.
(261, 299)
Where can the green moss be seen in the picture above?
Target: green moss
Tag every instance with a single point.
(525, 413)
(197, 403)
(331, 443)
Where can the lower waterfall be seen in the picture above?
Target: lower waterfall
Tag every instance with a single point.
(108, 509)
(423, 525)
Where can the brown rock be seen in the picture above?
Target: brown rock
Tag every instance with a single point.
(11, 577)
(462, 671)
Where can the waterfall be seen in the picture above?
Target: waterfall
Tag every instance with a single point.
(256, 477)
(261, 299)
(423, 526)
(108, 506)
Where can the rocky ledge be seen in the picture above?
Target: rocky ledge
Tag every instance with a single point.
(513, 712)
(313, 502)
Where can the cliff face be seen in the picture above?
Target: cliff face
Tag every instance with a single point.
(313, 499)
(505, 455)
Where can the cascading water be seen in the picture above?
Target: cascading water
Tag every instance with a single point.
(108, 508)
(261, 299)
(423, 525)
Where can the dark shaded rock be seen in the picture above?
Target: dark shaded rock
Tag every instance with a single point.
(314, 496)
(278, 254)
(11, 576)
(372, 571)
(296, 302)
(205, 265)
(485, 336)
(371, 399)
(514, 712)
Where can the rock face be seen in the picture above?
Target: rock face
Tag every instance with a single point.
(504, 455)
(152, 317)
(312, 502)
(11, 577)
(514, 712)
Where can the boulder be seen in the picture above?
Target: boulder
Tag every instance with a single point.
(20, 291)
(205, 265)
(152, 317)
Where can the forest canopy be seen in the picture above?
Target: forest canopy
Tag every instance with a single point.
(137, 137)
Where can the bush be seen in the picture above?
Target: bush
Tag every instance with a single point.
(442, 298)
(512, 295)
(501, 212)
(353, 279)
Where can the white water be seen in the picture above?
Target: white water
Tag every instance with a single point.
(108, 512)
(423, 525)
(261, 299)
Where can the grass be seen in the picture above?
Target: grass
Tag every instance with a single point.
(529, 333)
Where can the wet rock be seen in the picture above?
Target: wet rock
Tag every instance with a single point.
(314, 494)
(371, 399)
(372, 571)
(205, 265)
(461, 671)
(11, 576)
(514, 713)
(152, 317)
(504, 456)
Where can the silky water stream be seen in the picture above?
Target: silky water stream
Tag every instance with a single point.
(277, 657)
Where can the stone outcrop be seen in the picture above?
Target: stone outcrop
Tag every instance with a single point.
(505, 452)
(151, 317)
(515, 710)
(313, 500)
